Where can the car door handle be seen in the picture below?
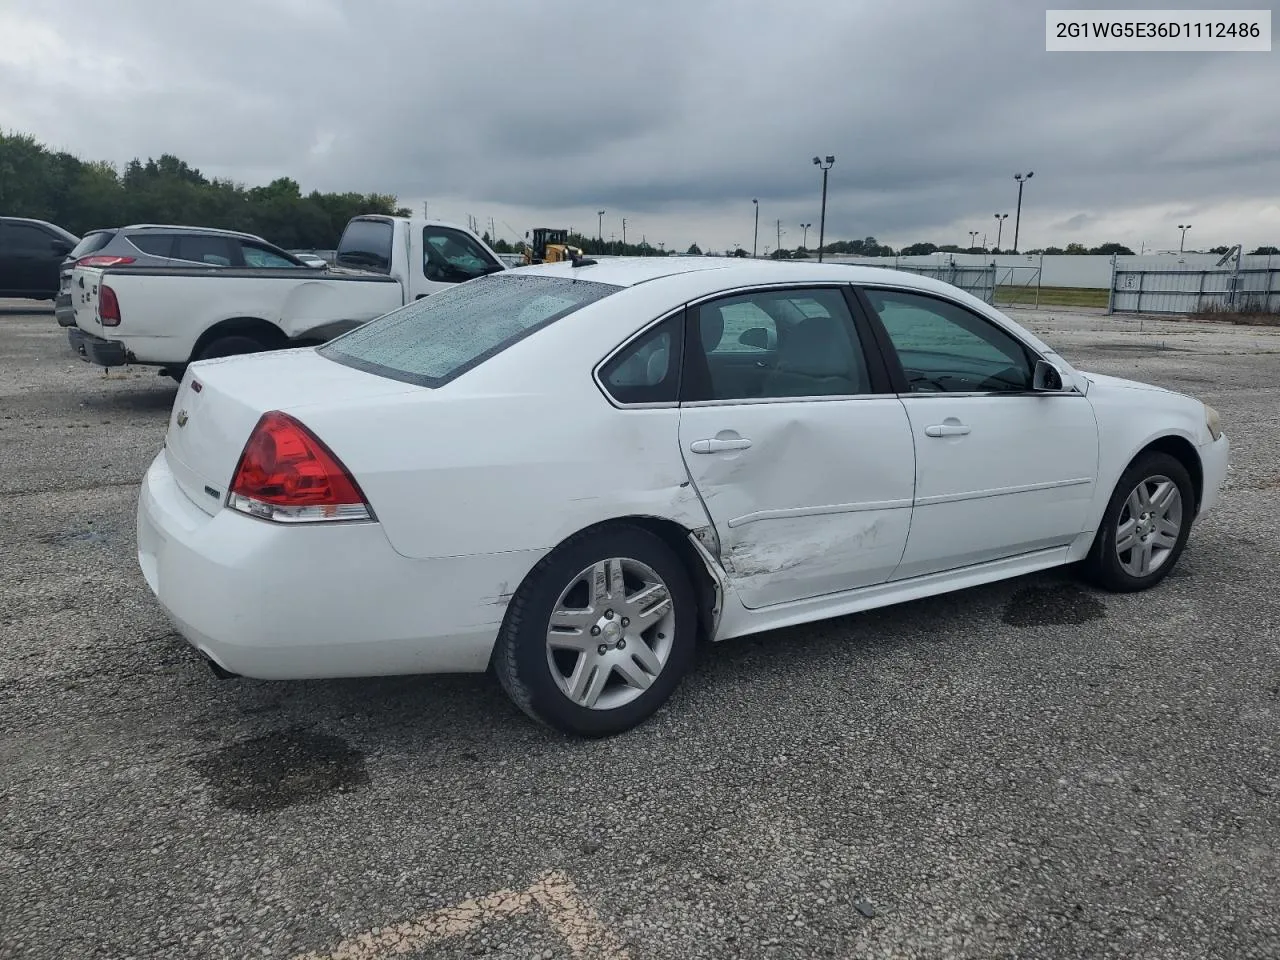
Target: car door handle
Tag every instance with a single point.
(716, 446)
(946, 430)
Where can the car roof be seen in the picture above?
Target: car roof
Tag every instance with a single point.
(730, 272)
(187, 228)
(67, 234)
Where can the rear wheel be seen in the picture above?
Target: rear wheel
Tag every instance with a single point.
(600, 633)
(230, 346)
(1145, 527)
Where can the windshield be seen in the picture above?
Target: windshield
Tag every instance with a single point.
(433, 340)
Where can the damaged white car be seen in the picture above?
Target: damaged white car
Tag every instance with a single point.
(573, 472)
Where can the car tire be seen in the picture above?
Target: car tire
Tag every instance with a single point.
(570, 623)
(1152, 518)
(231, 346)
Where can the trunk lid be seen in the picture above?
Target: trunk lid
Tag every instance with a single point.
(220, 401)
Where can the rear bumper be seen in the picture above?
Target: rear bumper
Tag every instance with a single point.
(64, 310)
(91, 349)
(332, 600)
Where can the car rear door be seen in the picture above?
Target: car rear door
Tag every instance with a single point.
(796, 443)
(1001, 469)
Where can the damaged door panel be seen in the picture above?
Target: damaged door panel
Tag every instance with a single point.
(819, 502)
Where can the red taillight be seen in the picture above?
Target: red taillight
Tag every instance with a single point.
(103, 261)
(286, 473)
(108, 307)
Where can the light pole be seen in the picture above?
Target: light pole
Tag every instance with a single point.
(600, 225)
(624, 234)
(1184, 229)
(1000, 219)
(973, 239)
(1017, 220)
(756, 239)
(822, 220)
(805, 227)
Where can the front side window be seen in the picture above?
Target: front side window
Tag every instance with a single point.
(450, 256)
(775, 344)
(945, 348)
(437, 338)
(257, 256)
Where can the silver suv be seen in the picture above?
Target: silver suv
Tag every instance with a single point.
(165, 245)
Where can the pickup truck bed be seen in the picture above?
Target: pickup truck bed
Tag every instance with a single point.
(170, 316)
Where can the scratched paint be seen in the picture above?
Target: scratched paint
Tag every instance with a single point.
(554, 894)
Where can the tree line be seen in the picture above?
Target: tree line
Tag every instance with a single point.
(83, 195)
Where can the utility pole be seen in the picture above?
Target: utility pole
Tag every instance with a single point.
(1000, 219)
(600, 225)
(624, 234)
(755, 241)
(822, 221)
(1017, 220)
(426, 210)
(779, 225)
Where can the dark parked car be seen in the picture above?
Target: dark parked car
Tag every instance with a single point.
(31, 254)
(167, 245)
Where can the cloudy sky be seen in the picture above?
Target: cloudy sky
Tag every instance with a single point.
(671, 113)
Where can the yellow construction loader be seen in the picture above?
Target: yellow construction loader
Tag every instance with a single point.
(550, 246)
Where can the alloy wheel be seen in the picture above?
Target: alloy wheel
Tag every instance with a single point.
(1148, 527)
(610, 633)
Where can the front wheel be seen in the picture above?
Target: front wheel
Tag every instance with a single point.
(600, 633)
(1145, 527)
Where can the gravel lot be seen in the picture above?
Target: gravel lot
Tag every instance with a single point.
(1030, 769)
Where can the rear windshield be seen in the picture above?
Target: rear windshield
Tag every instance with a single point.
(365, 245)
(91, 242)
(433, 340)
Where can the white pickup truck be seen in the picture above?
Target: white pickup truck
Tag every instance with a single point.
(171, 316)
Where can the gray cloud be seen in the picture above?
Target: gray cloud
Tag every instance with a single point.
(671, 113)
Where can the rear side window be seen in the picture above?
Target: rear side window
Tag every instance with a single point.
(366, 245)
(433, 340)
(156, 244)
(91, 243)
(27, 238)
(205, 248)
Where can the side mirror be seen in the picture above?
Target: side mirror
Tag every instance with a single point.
(1047, 377)
(755, 337)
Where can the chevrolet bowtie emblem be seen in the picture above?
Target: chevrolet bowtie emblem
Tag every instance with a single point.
(182, 418)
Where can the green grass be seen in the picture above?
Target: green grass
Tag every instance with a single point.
(1051, 296)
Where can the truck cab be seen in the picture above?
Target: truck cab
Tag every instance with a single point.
(423, 255)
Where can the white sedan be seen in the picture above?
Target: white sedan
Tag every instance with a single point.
(573, 472)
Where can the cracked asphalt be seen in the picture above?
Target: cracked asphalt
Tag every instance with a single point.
(1029, 769)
